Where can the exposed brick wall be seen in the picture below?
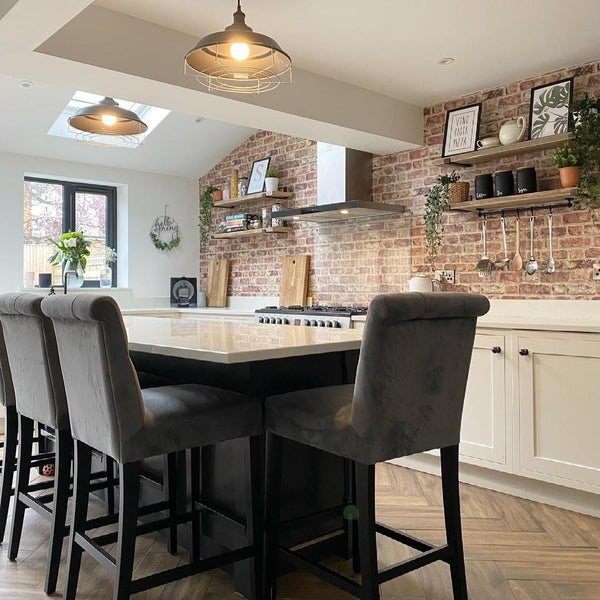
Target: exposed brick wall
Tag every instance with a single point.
(354, 260)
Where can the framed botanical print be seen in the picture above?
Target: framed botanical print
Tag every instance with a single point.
(462, 130)
(550, 108)
(258, 173)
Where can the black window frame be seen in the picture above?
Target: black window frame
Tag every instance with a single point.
(70, 191)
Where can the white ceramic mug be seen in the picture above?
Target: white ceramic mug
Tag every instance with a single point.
(422, 283)
(488, 142)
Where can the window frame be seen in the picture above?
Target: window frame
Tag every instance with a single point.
(70, 191)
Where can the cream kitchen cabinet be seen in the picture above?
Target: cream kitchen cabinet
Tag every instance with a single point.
(558, 408)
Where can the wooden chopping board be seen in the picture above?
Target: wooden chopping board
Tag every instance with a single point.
(294, 280)
(218, 274)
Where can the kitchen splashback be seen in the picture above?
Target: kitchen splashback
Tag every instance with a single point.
(353, 261)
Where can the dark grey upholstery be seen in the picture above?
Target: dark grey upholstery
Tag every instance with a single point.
(33, 360)
(109, 411)
(410, 384)
(7, 391)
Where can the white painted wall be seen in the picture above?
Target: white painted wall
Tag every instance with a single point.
(141, 197)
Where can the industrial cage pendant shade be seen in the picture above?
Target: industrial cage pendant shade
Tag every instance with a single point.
(239, 60)
(107, 118)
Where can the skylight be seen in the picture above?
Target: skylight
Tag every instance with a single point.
(151, 115)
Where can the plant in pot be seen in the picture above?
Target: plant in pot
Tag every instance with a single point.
(568, 160)
(436, 204)
(272, 180)
(205, 215)
(586, 138)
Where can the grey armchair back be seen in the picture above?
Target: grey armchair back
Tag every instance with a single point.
(33, 360)
(7, 392)
(412, 372)
(104, 397)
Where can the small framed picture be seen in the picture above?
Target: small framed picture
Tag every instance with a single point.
(550, 108)
(258, 173)
(462, 130)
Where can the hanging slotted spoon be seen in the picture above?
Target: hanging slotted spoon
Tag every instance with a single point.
(532, 265)
(551, 266)
(484, 266)
(505, 262)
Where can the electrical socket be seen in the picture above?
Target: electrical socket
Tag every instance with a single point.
(446, 275)
(596, 275)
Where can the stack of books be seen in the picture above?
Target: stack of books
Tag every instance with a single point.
(237, 222)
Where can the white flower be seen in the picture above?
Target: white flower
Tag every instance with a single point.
(71, 242)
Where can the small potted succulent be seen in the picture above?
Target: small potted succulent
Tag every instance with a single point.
(568, 160)
(272, 180)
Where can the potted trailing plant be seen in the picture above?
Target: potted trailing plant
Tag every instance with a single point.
(72, 250)
(436, 204)
(205, 215)
(272, 179)
(568, 160)
(586, 138)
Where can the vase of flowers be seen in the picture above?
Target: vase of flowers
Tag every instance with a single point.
(73, 248)
(110, 258)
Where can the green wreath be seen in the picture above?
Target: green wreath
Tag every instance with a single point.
(160, 245)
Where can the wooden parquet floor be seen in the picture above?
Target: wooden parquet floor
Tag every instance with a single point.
(515, 550)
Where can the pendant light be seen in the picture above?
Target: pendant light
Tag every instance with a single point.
(107, 118)
(239, 60)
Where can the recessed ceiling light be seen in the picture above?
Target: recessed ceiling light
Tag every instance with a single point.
(200, 120)
(26, 84)
(446, 60)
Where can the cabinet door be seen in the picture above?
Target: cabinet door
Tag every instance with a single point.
(559, 410)
(483, 432)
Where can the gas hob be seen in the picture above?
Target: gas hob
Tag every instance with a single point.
(337, 317)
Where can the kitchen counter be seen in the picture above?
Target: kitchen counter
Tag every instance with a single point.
(229, 342)
(179, 312)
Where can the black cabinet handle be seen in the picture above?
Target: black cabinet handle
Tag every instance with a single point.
(496, 349)
(524, 352)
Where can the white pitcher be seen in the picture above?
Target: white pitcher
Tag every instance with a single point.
(422, 283)
(512, 131)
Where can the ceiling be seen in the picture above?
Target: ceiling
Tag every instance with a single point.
(392, 46)
(178, 146)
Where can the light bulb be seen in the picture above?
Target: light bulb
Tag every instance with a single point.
(109, 120)
(240, 51)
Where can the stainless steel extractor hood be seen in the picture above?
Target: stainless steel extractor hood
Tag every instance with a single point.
(344, 188)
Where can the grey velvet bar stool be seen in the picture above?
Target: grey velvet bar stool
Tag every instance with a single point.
(408, 397)
(109, 412)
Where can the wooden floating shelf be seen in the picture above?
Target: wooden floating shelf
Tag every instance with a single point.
(252, 197)
(247, 232)
(518, 201)
(488, 154)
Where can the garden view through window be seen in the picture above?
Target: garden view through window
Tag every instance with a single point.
(52, 208)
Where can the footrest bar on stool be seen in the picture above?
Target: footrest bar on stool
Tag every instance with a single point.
(403, 538)
(411, 564)
(320, 571)
(95, 550)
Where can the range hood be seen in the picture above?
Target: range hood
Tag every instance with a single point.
(344, 188)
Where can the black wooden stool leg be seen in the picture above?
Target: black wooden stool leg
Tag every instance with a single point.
(110, 490)
(450, 488)
(351, 514)
(195, 491)
(22, 485)
(81, 492)
(62, 476)
(129, 489)
(367, 543)
(273, 496)
(170, 485)
(11, 429)
(254, 514)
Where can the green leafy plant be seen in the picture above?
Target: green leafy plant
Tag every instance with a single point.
(435, 206)
(72, 246)
(205, 215)
(586, 138)
(567, 156)
(272, 171)
(110, 255)
(158, 243)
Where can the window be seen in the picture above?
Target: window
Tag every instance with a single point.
(55, 207)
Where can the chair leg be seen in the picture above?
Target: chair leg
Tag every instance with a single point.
(129, 479)
(272, 508)
(450, 486)
(11, 429)
(195, 492)
(170, 484)
(367, 543)
(62, 476)
(110, 490)
(350, 515)
(23, 469)
(254, 514)
(81, 492)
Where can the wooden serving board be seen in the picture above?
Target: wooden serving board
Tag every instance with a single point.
(294, 280)
(218, 274)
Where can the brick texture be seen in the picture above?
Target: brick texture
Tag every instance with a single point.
(354, 260)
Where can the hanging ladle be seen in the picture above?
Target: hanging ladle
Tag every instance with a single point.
(500, 264)
(551, 266)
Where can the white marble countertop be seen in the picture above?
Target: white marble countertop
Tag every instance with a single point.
(233, 342)
(224, 311)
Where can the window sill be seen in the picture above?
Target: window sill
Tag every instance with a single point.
(59, 290)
